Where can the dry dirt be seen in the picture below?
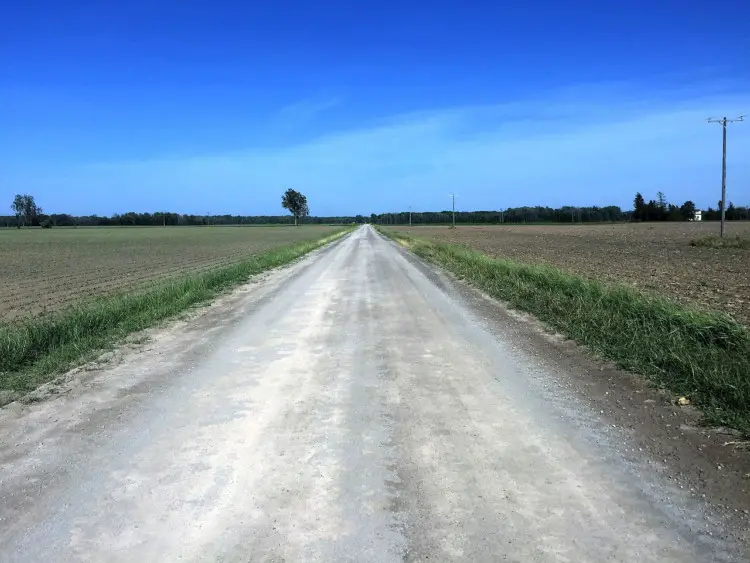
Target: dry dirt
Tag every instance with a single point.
(651, 256)
(46, 270)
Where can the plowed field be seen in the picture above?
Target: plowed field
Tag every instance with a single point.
(651, 256)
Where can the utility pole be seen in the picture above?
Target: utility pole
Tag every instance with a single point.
(453, 197)
(723, 121)
(410, 215)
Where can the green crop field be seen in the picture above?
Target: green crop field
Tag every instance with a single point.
(48, 270)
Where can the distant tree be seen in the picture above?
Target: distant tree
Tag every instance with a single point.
(661, 201)
(731, 212)
(26, 210)
(661, 211)
(639, 207)
(295, 203)
(673, 213)
(687, 210)
(19, 207)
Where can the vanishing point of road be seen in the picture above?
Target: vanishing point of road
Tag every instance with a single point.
(350, 407)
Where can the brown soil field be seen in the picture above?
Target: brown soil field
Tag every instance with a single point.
(651, 256)
(46, 270)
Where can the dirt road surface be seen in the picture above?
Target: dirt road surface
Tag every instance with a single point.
(347, 408)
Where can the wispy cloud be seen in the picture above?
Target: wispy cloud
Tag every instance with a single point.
(304, 111)
(588, 145)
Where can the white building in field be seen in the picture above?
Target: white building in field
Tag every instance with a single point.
(698, 216)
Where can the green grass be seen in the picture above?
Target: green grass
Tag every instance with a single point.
(699, 354)
(34, 350)
(712, 241)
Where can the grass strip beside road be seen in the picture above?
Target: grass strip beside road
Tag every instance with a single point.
(712, 241)
(700, 354)
(33, 351)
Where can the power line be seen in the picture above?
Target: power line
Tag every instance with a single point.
(723, 121)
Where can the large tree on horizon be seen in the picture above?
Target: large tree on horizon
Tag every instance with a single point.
(26, 210)
(295, 203)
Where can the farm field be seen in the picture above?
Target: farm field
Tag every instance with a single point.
(47, 270)
(651, 256)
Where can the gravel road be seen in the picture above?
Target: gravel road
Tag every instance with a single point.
(346, 408)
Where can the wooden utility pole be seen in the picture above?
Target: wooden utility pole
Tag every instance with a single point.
(723, 121)
(453, 197)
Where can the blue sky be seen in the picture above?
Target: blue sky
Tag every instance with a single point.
(368, 107)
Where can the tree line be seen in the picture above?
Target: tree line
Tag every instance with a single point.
(565, 214)
(660, 210)
(28, 213)
(654, 210)
(159, 219)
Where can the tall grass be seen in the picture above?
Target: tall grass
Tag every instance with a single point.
(700, 354)
(33, 350)
(712, 241)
